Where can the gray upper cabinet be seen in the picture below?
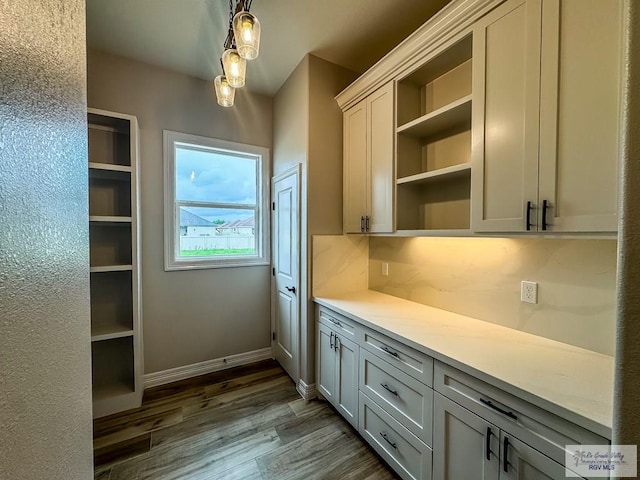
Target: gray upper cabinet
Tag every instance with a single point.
(368, 163)
(547, 84)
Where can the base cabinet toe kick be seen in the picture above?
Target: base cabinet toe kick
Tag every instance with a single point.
(429, 420)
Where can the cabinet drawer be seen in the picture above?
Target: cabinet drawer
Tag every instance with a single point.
(412, 362)
(337, 322)
(407, 455)
(541, 429)
(401, 396)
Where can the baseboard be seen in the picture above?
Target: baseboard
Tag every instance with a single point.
(182, 373)
(308, 392)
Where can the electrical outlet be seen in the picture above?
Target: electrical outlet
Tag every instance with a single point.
(529, 292)
(385, 269)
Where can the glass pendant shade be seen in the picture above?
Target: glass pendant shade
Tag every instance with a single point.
(246, 30)
(225, 93)
(234, 67)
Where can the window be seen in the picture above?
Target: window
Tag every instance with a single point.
(216, 203)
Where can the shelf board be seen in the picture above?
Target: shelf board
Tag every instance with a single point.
(105, 392)
(110, 332)
(455, 114)
(446, 173)
(109, 219)
(110, 167)
(111, 268)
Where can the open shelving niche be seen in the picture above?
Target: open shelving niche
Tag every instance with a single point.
(433, 169)
(116, 336)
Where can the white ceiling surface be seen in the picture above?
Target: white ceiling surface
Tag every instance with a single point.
(187, 35)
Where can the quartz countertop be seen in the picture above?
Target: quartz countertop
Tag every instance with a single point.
(572, 382)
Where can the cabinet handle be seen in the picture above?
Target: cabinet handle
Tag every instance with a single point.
(490, 404)
(390, 352)
(337, 343)
(291, 289)
(393, 444)
(388, 389)
(487, 444)
(545, 205)
(505, 460)
(331, 340)
(366, 223)
(335, 322)
(362, 223)
(529, 207)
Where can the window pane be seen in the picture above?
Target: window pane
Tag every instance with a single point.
(217, 232)
(211, 176)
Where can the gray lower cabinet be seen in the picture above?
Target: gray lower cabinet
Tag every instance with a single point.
(338, 371)
(465, 444)
(403, 451)
(461, 429)
(468, 446)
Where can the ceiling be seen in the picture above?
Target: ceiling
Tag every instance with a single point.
(187, 35)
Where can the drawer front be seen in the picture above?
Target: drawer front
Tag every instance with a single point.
(406, 399)
(410, 361)
(403, 451)
(337, 322)
(541, 429)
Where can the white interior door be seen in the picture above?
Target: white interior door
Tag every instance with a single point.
(286, 270)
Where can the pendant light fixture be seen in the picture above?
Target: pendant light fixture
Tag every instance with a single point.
(225, 93)
(234, 67)
(241, 44)
(246, 29)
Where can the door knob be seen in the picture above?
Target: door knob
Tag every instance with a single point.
(291, 289)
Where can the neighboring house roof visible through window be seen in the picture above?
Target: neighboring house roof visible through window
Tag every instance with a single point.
(188, 219)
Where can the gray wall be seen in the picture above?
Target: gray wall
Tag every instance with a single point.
(308, 130)
(45, 393)
(626, 417)
(188, 316)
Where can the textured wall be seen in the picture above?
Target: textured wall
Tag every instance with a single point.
(45, 393)
(626, 416)
(188, 316)
(480, 277)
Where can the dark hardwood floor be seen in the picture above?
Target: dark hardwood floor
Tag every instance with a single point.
(245, 423)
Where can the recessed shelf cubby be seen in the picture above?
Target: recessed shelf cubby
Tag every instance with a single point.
(114, 262)
(433, 142)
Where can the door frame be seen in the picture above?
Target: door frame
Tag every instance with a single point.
(297, 171)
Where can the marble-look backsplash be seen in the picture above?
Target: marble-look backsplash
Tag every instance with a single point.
(340, 264)
(481, 278)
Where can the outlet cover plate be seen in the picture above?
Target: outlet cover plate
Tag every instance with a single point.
(529, 292)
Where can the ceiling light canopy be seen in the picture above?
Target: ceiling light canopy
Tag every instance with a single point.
(241, 44)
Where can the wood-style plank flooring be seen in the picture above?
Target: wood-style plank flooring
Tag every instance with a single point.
(245, 423)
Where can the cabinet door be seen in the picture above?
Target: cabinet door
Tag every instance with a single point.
(506, 78)
(355, 167)
(521, 462)
(346, 393)
(580, 113)
(326, 363)
(381, 179)
(462, 441)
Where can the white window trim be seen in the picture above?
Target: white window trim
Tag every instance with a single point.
(171, 223)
